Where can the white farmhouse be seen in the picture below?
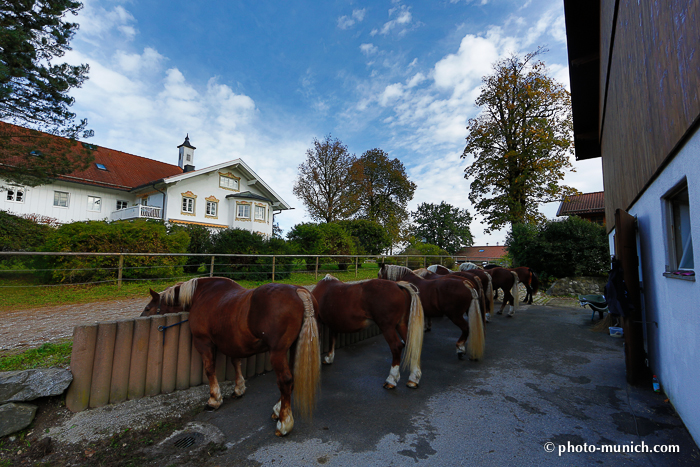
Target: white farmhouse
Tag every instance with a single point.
(120, 186)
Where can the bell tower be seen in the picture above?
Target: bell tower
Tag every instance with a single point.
(186, 155)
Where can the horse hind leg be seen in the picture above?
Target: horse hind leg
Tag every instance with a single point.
(330, 356)
(240, 388)
(396, 346)
(208, 352)
(282, 411)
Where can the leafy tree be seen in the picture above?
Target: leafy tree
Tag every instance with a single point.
(383, 191)
(443, 225)
(252, 267)
(520, 142)
(323, 184)
(572, 247)
(200, 242)
(35, 91)
(370, 237)
(322, 239)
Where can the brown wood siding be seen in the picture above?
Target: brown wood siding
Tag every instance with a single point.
(607, 11)
(652, 94)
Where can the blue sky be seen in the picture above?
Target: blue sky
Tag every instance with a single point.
(259, 80)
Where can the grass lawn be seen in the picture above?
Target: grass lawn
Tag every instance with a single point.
(46, 356)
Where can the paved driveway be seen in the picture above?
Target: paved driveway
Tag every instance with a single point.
(545, 378)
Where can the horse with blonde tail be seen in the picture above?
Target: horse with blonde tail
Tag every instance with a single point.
(447, 296)
(508, 281)
(242, 322)
(394, 306)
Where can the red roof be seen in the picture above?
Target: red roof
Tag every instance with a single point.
(123, 171)
(587, 203)
(481, 253)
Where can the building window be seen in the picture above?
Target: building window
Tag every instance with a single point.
(60, 199)
(15, 194)
(100, 166)
(211, 208)
(188, 205)
(228, 181)
(680, 236)
(122, 204)
(243, 211)
(260, 213)
(94, 203)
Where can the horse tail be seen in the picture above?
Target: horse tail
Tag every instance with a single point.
(515, 292)
(476, 342)
(414, 337)
(490, 292)
(307, 360)
(534, 281)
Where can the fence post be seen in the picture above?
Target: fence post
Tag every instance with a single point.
(406, 261)
(211, 268)
(425, 261)
(273, 269)
(119, 274)
(356, 258)
(316, 273)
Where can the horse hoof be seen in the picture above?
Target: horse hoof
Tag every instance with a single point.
(279, 433)
(238, 396)
(389, 386)
(473, 359)
(210, 408)
(509, 316)
(499, 312)
(460, 356)
(412, 385)
(275, 417)
(325, 362)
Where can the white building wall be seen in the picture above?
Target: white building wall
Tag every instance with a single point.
(674, 346)
(39, 200)
(207, 185)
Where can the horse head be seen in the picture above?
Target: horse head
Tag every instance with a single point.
(164, 302)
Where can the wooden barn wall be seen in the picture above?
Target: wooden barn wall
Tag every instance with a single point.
(652, 94)
(607, 11)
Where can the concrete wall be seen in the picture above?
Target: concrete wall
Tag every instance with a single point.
(673, 346)
(129, 359)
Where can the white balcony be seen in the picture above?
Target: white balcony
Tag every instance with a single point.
(135, 212)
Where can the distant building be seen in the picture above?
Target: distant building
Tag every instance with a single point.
(480, 254)
(589, 206)
(634, 94)
(120, 186)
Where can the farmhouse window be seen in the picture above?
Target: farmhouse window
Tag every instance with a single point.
(94, 203)
(15, 194)
(228, 182)
(212, 208)
(60, 199)
(680, 240)
(188, 205)
(259, 213)
(122, 204)
(243, 211)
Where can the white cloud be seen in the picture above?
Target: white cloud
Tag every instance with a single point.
(402, 19)
(97, 22)
(368, 49)
(346, 22)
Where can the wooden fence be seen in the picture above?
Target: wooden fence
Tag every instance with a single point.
(115, 361)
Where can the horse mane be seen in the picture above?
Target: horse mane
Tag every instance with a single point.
(467, 266)
(187, 291)
(395, 272)
(330, 277)
(168, 295)
(422, 272)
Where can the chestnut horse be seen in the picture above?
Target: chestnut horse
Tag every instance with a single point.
(240, 323)
(394, 306)
(439, 269)
(482, 284)
(448, 297)
(508, 281)
(529, 279)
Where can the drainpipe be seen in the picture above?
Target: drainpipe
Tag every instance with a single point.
(165, 197)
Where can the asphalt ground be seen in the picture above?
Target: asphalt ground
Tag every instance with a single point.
(546, 377)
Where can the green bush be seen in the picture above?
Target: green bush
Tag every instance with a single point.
(20, 234)
(370, 237)
(200, 242)
(322, 239)
(138, 236)
(572, 247)
(253, 267)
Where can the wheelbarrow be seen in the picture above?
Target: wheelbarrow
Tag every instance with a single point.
(596, 302)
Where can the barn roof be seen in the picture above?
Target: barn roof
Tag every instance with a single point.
(482, 253)
(111, 168)
(587, 203)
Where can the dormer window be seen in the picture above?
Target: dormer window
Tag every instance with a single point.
(228, 181)
(481, 251)
(92, 147)
(100, 166)
(36, 153)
